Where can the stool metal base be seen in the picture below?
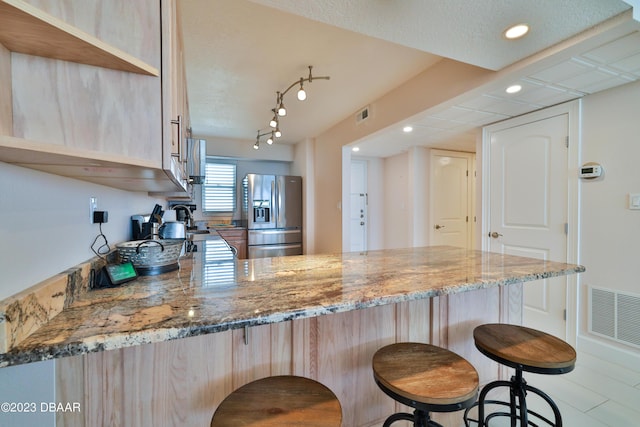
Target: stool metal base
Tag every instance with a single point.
(517, 404)
(420, 419)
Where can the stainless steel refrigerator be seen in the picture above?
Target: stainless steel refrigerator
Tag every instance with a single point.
(273, 210)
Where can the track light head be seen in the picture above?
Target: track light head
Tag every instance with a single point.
(281, 110)
(302, 95)
(274, 121)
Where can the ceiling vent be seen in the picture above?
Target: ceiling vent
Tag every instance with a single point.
(362, 115)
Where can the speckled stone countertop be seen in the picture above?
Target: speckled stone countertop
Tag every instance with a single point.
(212, 293)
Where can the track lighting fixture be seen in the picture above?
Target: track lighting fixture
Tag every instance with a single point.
(271, 133)
(281, 111)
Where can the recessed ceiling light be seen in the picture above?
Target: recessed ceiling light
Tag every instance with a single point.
(516, 31)
(513, 89)
(355, 149)
(407, 129)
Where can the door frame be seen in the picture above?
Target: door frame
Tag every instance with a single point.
(573, 110)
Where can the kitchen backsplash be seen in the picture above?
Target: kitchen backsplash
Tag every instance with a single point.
(24, 312)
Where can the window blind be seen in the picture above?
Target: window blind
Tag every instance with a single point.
(219, 189)
(219, 268)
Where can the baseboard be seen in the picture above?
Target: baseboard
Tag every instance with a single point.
(610, 351)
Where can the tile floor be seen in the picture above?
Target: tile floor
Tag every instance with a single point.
(595, 394)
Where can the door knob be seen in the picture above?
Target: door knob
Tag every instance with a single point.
(494, 234)
(438, 227)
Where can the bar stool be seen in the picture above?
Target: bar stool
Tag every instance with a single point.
(523, 349)
(425, 377)
(279, 401)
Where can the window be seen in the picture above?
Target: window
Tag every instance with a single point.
(219, 188)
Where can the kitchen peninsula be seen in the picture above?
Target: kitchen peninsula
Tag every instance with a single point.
(239, 320)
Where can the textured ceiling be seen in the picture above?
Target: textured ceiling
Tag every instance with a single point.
(239, 53)
(464, 30)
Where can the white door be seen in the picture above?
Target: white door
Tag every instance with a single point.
(358, 207)
(528, 209)
(450, 201)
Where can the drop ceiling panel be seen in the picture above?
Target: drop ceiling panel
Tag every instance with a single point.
(437, 122)
(562, 71)
(607, 84)
(539, 94)
(630, 64)
(616, 50)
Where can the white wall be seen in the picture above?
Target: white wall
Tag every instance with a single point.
(45, 224)
(406, 199)
(610, 233)
(376, 214)
(303, 166)
(228, 147)
(419, 170)
(396, 202)
(44, 229)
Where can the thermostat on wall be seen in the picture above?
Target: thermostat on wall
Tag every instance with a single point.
(590, 171)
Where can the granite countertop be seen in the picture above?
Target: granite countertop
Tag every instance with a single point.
(212, 292)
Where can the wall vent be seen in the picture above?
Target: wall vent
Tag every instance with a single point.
(615, 315)
(362, 115)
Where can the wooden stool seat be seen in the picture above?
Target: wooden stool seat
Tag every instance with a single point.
(533, 350)
(425, 377)
(280, 401)
(523, 349)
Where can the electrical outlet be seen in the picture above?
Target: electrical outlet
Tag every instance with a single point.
(93, 205)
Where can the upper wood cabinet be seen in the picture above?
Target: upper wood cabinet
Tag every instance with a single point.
(175, 118)
(84, 92)
(26, 29)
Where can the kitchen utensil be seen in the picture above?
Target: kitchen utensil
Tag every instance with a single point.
(156, 214)
(173, 230)
(151, 257)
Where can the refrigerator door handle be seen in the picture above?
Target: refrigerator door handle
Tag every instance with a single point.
(277, 231)
(274, 203)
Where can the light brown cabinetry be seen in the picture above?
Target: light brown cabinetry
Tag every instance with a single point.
(84, 93)
(236, 238)
(175, 114)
